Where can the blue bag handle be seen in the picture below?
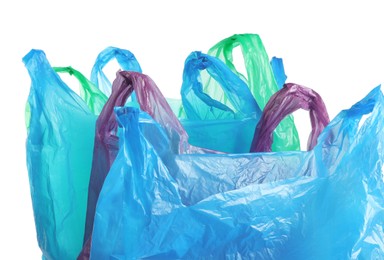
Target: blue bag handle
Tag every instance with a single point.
(200, 106)
(126, 60)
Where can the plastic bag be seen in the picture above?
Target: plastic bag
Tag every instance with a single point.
(53, 134)
(260, 80)
(107, 138)
(92, 96)
(331, 207)
(59, 157)
(208, 122)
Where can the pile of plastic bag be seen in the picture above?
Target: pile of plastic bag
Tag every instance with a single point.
(120, 171)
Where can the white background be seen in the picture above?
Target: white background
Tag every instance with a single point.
(335, 48)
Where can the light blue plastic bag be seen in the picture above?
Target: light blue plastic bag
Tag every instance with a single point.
(328, 205)
(212, 124)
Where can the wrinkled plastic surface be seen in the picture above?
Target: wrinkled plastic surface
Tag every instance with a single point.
(59, 156)
(260, 80)
(278, 70)
(284, 102)
(107, 140)
(332, 206)
(125, 59)
(208, 122)
(200, 176)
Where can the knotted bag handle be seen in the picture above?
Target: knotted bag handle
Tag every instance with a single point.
(284, 102)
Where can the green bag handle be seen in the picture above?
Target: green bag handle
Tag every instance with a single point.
(93, 96)
(260, 79)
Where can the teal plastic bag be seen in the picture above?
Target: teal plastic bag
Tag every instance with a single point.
(61, 132)
(332, 206)
(59, 158)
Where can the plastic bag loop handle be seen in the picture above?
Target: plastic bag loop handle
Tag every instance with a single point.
(125, 58)
(253, 53)
(84, 84)
(151, 101)
(284, 102)
(239, 95)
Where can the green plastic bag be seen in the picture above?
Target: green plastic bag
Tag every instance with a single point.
(260, 79)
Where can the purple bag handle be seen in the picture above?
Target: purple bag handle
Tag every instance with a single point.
(153, 102)
(284, 102)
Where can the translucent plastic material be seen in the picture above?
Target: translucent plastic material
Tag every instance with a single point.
(92, 96)
(331, 207)
(125, 59)
(59, 157)
(208, 122)
(260, 80)
(61, 127)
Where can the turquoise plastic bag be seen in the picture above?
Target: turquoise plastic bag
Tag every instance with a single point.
(331, 206)
(61, 132)
(59, 158)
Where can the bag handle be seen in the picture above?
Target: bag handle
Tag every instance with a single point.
(93, 97)
(37, 64)
(151, 101)
(126, 60)
(260, 79)
(199, 105)
(284, 102)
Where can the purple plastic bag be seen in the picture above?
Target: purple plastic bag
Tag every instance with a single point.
(284, 102)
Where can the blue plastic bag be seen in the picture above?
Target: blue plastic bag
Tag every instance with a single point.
(208, 122)
(332, 206)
